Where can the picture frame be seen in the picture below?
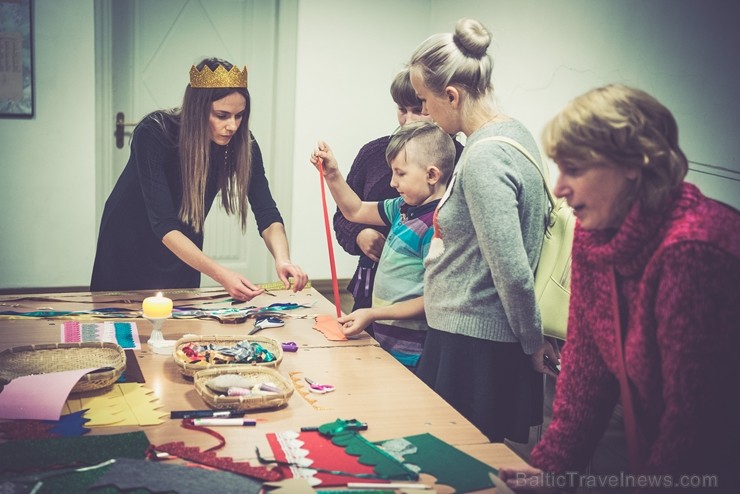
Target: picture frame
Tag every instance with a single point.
(16, 59)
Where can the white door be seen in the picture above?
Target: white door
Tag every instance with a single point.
(144, 50)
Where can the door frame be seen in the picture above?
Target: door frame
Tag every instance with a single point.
(278, 160)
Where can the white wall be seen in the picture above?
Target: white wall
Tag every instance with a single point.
(545, 52)
(47, 165)
(684, 52)
(348, 53)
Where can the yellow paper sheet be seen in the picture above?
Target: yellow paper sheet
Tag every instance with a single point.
(123, 404)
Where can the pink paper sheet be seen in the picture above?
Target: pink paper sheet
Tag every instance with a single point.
(38, 397)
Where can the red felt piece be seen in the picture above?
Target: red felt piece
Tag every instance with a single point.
(329, 242)
(24, 430)
(210, 459)
(327, 455)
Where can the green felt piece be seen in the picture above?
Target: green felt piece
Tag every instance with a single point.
(67, 481)
(367, 453)
(39, 454)
(449, 465)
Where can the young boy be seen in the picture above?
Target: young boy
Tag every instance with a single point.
(421, 156)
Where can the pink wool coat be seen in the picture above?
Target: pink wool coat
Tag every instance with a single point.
(678, 278)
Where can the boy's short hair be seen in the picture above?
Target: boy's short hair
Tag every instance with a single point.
(403, 92)
(434, 145)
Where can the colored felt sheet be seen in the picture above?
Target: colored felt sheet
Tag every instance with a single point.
(39, 396)
(125, 334)
(69, 425)
(33, 455)
(447, 464)
(329, 326)
(126, 474)
(316, 451)
(346, 452)
(132, 373)
(123, 404)
(210, 459)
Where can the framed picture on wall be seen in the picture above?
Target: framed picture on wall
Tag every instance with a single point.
(16, 59)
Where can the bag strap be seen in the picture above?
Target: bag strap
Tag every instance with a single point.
(529, 156)
(630, 426)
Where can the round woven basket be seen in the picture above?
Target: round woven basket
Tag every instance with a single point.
(56, 357)
(258, 375)
(189, 369)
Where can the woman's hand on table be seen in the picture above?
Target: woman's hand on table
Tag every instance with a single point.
(286, 270)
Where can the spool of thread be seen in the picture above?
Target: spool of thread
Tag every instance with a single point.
(270, 388)
(234, 391)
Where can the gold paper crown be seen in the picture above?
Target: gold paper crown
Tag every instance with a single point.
(219, 77)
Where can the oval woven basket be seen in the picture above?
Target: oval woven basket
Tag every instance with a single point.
(56, 357)
(189, 369)
(257, 374)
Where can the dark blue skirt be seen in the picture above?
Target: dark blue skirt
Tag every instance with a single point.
(492, 384)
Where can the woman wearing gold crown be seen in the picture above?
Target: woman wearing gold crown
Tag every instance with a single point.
(151, 232)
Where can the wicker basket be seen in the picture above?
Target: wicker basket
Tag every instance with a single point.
(258, 374)
(56, 357)
(189, 369)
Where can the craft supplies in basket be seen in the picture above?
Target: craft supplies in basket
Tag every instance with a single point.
(195, 353)
(56, 357)
(271, 389)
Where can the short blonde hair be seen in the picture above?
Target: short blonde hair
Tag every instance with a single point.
(625, 127)
(434, 144)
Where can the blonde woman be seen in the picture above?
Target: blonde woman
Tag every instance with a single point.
(484, 351)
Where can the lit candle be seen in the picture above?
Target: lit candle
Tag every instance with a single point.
(157, 307)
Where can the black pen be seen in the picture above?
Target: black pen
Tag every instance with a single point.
(197, 414)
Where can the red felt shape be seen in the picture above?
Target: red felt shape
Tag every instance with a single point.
(327, 455)
(210, 459)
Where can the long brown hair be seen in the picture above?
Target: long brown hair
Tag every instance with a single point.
(194, 145)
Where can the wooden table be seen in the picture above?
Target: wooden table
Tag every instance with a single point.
(370, 384)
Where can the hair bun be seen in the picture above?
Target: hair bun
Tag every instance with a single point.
(472, 38)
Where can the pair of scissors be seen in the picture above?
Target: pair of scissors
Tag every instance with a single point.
(317, 388)
(266, 322)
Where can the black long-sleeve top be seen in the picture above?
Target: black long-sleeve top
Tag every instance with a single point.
(143, 207)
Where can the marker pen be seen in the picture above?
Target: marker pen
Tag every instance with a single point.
(196, 414)
(225, 421)
(357, 426)
(390, 486)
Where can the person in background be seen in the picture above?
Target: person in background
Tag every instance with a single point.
(151, 232)
(370, 178)
(484, 351)
(658, 264)
(421, 156)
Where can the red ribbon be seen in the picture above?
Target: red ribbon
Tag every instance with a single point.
(189, 424)
(329, 242)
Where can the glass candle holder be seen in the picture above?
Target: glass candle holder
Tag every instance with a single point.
(156, 309)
